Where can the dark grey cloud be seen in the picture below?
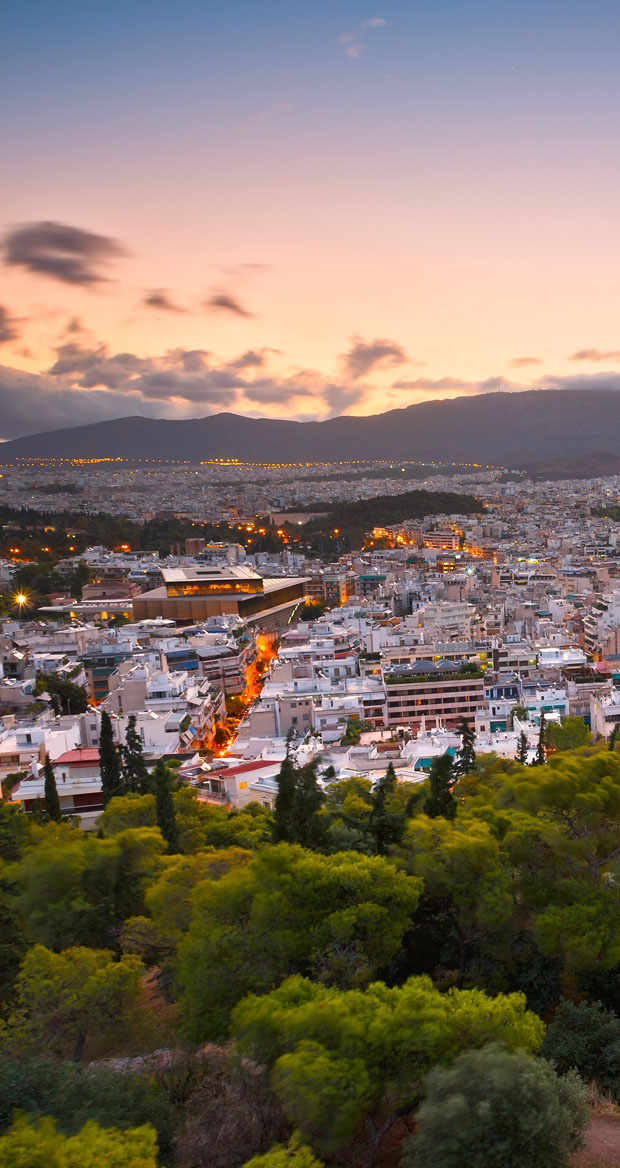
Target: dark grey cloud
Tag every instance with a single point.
(30, 403)
(75, 326)
(8, 329)
(581, 381)
(522, 362)
(64, 253)
(489, 385)
(192, 360)
(249, 360)
(267, 391)
(222, 301)
(363, 358)
(158, 298)
(596, 355)
(339, 398)
(75, 358)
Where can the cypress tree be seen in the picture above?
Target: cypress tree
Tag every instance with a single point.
(385, 825)
(52, 802)
(284, 810)
(309, 825)
(164, 806)
(109, 761)
(135, 776)
(441, 801)
(522, 748)
(466, 758)
(541, 755)
(612, 738)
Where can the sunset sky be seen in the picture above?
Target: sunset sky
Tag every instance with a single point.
(303, 208)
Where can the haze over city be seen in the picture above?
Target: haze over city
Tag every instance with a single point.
(297, 210)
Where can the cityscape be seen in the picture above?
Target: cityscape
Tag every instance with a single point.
(310, 586)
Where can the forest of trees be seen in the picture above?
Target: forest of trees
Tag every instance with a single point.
(358, 968)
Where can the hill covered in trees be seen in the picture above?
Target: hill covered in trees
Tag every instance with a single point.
(345, 957)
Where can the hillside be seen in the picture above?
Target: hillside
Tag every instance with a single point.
(585, 466)
(509, 429)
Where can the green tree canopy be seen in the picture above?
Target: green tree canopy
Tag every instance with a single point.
(466, 877)
(570, 734)
(291, 1155)
(74, 889)
(497, 1109)
(585, 1037)
(339, 917)
(40, 1145)
(339, 1057)
(65, 999)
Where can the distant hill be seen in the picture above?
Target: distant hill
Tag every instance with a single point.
(585, 466)
(508, 429)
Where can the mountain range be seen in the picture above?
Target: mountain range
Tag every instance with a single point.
(501, 429)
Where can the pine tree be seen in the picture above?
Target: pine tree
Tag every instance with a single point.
(522, 748)
(385, 824)
(164, 806)
(284, 810)
(135, 775)
(465, 760)
(52, 802)
(541, 755)
(109, 761)
(441, 801)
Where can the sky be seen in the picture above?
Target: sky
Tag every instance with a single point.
(302, 209)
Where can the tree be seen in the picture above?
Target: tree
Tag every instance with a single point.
(298, 805)
(465, 760)
(284, 811)
(52, 802)
(338, 1059)
(164, 806)
(494, 1109)
(40, 1145)
(466, 881)
(14, 831)
(135, 776)
(541, 754)
(613, 737)
(74, 889)
(127, 811)
(585, 1037)
(561, 838)
(353, 732)
(73, 1093)
(340, 918)
(569, 735)
(441, 801)
(522, 748)
(109, 761)
(520, 712)
(65, 999)
(348, 805)
(291, 1155)
(386, 821)
(67, 697)
(309, 828)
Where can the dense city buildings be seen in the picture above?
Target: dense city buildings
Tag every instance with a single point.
(347, 654)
